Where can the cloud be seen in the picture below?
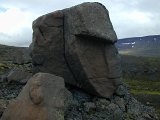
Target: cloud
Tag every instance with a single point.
(15, 27)
(129, 18)
(135, 18)
(13, 18)
(22, 39)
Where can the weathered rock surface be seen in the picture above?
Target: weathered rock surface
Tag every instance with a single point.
(18, 75)
(89, 19)
(78, 44)
(47, 48)
(42, 98)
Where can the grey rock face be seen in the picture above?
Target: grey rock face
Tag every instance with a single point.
(90, 19)
(47, 48)
(78, 44)
(41, 99)
(18, 75)
(94, 61)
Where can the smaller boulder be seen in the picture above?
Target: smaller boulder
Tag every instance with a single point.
(42, 98)
(18, 75)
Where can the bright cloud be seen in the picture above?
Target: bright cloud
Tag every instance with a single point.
(12, 20)
(129, 18)
(16, 27)
(137, 17)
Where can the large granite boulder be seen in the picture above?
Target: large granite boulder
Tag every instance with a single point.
(89, 48)
(78, 44)
(47, 48)
(42, 98)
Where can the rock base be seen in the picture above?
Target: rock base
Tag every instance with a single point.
(121, 106)
(80, 105)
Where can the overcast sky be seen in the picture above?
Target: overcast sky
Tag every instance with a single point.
(130, 18)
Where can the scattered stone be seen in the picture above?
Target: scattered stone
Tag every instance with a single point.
(18, 75)
(41, 99)
(117, 108)
(122, 90)
(89, 107)
(112, 107)
(68, 99)
(9, 91)
(102, 104)
(120, 102)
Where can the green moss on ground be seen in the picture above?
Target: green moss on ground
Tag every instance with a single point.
(5, 67)
(144, 86)
(141, 60)
(147, 92)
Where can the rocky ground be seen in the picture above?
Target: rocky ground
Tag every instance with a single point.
(81, 105)
(7, 93)
(142, 75)
(121, 106)
(8, 90)
(11, 58)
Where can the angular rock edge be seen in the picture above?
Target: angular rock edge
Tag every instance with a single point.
(77, 44)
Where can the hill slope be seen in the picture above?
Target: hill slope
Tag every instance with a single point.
(140, 46)
(141, 67)
(14, 54)
(13, 57)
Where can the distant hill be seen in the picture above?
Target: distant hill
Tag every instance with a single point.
(140, 46)
(14, 54)
(13, 57)
(140, 57)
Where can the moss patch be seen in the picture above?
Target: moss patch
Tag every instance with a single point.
(135, 92)
(147, 92)
(143, 86)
